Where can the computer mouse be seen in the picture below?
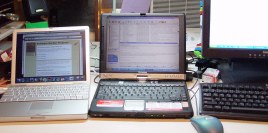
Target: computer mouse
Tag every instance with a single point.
(207, 124)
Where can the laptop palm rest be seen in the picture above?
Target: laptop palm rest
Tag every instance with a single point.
(41, 107)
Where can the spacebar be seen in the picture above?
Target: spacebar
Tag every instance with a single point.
(136, 98)
(39, 98)
(251, 110)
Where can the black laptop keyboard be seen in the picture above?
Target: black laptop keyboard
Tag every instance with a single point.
(174, 91)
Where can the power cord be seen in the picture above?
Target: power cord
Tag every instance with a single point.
(93, 68)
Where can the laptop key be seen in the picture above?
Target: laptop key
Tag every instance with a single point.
(2, 99)
(137, 98)
(40, 98)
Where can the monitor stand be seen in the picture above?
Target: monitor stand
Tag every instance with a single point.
(244, 71)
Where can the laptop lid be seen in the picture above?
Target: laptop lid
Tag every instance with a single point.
(142, 46)
(50, 55)
(135, 6)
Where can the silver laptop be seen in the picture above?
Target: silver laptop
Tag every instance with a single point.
(50, 75)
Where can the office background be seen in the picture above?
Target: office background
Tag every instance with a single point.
(87, 12)
(89, 17)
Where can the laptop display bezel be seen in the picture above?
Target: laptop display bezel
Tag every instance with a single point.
(104, 73)
(85, 53)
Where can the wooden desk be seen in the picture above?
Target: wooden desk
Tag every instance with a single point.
(118, 125)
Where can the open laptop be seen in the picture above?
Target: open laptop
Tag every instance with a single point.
(49, 66)
(142, 67)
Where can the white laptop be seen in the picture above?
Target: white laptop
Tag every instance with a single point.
(50, 75)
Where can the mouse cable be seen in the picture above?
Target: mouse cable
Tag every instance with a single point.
(194, 84)
(94, 58)
(96, 79)
(95, 70)
(194, 95)
(93, 46)
(196, 106)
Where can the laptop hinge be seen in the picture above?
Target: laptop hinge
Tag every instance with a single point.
(142, 78)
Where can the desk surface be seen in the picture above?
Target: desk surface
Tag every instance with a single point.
(9, 28)
(126, 125)
(105, 125)
(117, 125)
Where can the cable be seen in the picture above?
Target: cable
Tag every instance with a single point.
(96, 78)
(196, 105)
(186, 6)
(95, 70)
(191, 89)
(191, 71)
(192, 57)
(194, 84)
(195, 93)
(95, 58)
(169, 6)
(191, 60)
(94, 67)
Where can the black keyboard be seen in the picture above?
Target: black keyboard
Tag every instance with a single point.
(147, 91)
(235, 101)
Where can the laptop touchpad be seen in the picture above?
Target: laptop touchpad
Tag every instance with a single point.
(41, 107)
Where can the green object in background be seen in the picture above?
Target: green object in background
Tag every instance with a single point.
(198, 54)
(42, 24)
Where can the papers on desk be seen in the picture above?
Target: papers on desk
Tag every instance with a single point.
(7, 30)
(5, 51)
(5, 46)
(193, 37)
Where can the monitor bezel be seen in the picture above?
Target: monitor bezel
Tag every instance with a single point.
(223, 52)
(103, 41)
(86, 54)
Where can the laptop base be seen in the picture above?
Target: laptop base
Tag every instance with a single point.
(144, 106)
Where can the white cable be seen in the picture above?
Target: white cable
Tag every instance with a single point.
(169, 6)
(194, 95)
(94, 70)
(186, 6)
(92, 57)
(114, 6)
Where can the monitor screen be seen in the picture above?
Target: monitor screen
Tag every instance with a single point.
(235, 29)
(50, 56)
(147, 44)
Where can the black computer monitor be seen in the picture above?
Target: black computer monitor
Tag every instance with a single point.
(34, 9)
(237, 30)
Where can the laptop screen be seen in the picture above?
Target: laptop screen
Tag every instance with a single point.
(150, 43)
(50, 56)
